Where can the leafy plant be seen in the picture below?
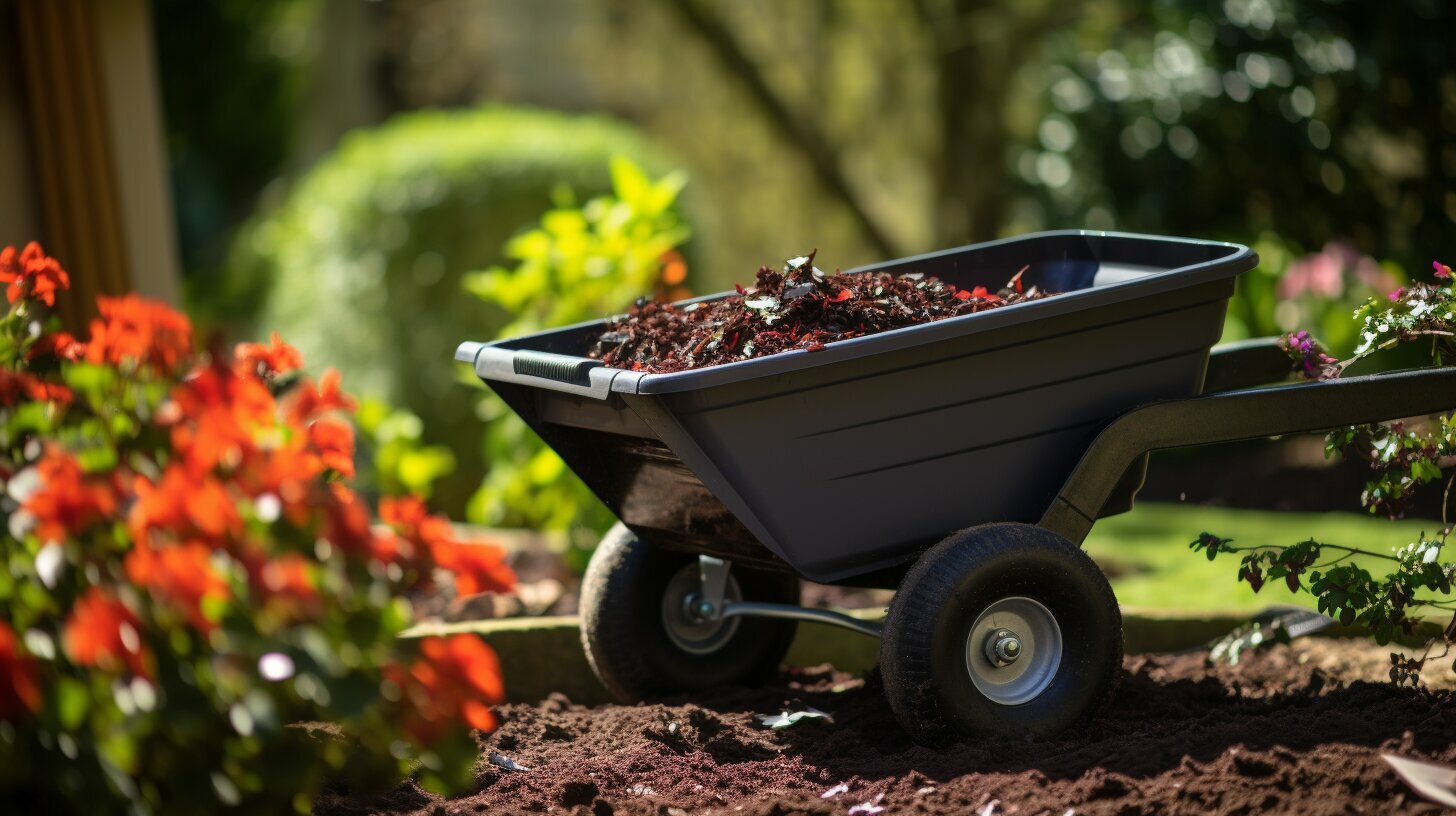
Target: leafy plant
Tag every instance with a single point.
(1402, 460)
(579, 263)
(394, 442)
(196, 612)
(360, 264)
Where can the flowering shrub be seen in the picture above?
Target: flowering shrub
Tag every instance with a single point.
(1316, 291)
(197, 611)
(1401, 460)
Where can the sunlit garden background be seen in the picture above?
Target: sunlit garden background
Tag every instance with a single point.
(378, 180)
(370, 160)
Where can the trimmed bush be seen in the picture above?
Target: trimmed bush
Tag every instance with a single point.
(361, 264)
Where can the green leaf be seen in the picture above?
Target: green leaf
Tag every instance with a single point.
(628, 181)
(73, 700)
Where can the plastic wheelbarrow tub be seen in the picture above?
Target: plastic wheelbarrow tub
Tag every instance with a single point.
(842, 464)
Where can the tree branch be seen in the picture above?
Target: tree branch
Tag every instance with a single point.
(797, 130)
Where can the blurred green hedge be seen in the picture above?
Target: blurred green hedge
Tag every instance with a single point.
(360, 266)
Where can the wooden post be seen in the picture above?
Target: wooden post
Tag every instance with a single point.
(97, 148)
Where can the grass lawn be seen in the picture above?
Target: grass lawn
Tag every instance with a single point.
(1146, 552)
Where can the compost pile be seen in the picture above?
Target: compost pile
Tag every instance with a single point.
(798, 308)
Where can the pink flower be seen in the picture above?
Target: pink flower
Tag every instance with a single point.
(1319, 274)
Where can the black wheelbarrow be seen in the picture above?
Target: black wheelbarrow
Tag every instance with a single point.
(961, 462)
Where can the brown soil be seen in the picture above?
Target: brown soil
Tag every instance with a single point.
(1294, 729)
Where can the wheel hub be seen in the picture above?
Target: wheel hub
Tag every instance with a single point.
(1003, 647)
(1013, 650)
(691, 621)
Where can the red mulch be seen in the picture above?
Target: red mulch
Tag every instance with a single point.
(1294, 729)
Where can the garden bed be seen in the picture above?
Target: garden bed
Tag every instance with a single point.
(1295, 728)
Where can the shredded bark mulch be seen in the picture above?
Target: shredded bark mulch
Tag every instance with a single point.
(798, 308)
(1292, 729)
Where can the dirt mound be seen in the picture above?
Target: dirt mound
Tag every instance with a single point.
(1295, 729)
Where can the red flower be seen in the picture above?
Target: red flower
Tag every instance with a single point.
(347, 525)
(19, 678)
(478, 566)
(412, 520)
(182, 504)
(674, 268)
(180, 575)
(289, 579)
(69, 501)
(16, 386)
(456, 679)
(216, 415)
(404, 513)
(333, 441)
(32, 269)
(1442, 271)
(277, 357)
(286, 471)
(102, 632)
(313, 400)
(133, 330)
(60, 345)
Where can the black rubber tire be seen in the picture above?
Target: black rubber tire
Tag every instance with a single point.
(923, 649)
(625, 640)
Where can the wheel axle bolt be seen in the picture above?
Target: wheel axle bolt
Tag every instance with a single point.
(1003, 647)
(704, 609)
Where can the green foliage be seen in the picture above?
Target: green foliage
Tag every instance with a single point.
(1424, 310)
(224, 145)
(1402, 460)
(392, 441)
(1313, 120)
(360, 266)
(577, 264)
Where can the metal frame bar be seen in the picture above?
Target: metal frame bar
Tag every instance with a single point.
(712, 605)
(1231, 416)
(790, 612)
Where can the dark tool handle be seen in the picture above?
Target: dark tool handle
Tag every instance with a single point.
(558, 367)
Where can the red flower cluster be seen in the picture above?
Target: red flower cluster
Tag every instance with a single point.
(236, 506)
(479, 566)
(277, 357)
(68, 501)
(182, 576)
(19, 680)
(104, 633)
(31, 273)
(455, 678)
(133, 331)
(17, 386)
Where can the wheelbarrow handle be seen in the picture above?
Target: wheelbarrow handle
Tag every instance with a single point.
(1245, 364)
(542, 369)
(1231, 416)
